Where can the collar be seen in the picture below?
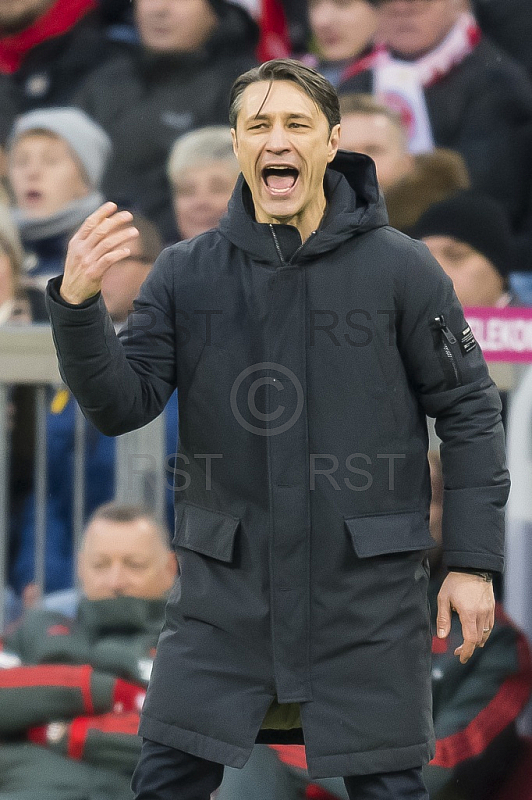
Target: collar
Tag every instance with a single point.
(59, 19)
(121, 615)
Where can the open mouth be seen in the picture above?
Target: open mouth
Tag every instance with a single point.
(280, 180)
(32, 196)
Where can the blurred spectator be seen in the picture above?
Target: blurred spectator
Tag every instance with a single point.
(343, 32)
(47, 47)
(118, 291)
(456, 90)
(475, 709)
(56, 160)
(469, 235)
(17, 301)
(202, 170)
(4, 191)
(284, 27)
(18, 304)
(122, 281)
(71, 689)
(177, 79)
(411, 183)
(509, 24)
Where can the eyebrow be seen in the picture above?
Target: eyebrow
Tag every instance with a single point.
(255, 117)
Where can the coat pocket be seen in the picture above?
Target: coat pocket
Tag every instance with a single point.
(389, 533)
(211, 533)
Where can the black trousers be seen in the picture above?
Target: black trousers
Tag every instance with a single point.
(167, 774)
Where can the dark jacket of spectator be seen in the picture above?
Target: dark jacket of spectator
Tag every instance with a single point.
(146, 100)
(91, 673)
(483, 109)
(44, 64)
(509, 24)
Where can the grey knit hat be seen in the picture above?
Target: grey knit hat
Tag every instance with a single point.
(87, 140)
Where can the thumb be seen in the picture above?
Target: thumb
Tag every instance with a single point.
(443, 620)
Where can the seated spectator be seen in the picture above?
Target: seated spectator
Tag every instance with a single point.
(202, 170)
(47, 47)
(56, 161)
(469, 235)
(410, 183)
(343, 32)
(456, 90)
(119, 289)
(475, 710)
(122, 281)
(17, 301)
(178, 78)
(71, 688)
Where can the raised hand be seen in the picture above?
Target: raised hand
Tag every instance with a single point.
(99, 243)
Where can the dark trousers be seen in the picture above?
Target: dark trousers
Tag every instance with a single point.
(167, 774)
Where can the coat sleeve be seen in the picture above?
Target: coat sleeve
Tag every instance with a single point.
(475, 708)
(450, 378)
(120, 383)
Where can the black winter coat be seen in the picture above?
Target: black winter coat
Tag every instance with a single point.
(146, 101)
(483, 109)
(304, 374)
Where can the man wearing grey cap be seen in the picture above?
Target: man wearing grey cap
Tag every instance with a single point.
(56, 160)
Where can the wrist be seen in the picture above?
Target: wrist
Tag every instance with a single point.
(485, 574)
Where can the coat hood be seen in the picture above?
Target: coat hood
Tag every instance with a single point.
(355, 205)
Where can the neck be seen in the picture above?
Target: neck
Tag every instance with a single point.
(306, 222)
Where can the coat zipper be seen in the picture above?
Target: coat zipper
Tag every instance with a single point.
(278, 248)
(448, 339)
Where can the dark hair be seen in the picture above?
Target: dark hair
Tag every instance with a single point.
(313, 84)
(128, 512)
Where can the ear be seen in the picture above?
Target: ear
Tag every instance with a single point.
(235, 143)
(334, 142)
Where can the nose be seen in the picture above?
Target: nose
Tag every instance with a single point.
(32, 167)
(278, 141)
(117, 579)
(320, 16)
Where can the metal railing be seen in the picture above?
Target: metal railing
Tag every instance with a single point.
(27, 356)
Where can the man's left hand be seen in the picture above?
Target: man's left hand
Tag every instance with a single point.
(473, 600)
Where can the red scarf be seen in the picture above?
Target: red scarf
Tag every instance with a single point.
(59, 19)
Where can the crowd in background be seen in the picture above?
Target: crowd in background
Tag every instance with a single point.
(127, 100)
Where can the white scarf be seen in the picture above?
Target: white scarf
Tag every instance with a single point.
(400, 84)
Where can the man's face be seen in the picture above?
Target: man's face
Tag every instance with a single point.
(178, 26)
(342, 28)
(122, 281)
(44, 174)
(125, 559)
(283, 152)
(201, 194)
(475, 279)
(412, 28)
(16, 15)
(377, 136)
